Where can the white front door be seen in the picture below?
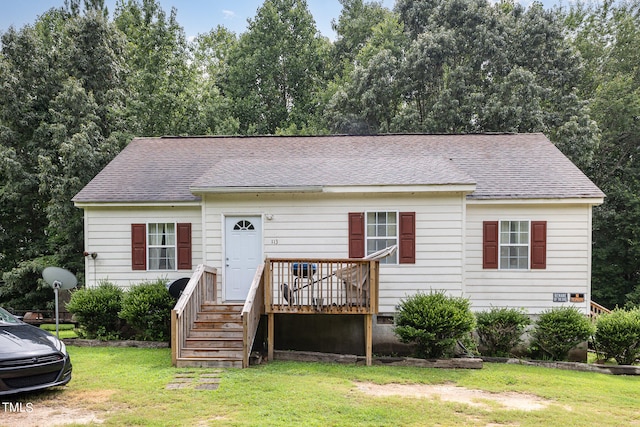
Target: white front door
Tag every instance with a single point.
(243, 254)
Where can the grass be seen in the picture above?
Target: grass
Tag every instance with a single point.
(65, 330)
(127, 386)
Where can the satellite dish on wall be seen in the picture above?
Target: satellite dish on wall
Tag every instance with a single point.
(59, 278)
(177, 287)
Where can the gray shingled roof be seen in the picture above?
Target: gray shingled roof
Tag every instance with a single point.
(502, 166)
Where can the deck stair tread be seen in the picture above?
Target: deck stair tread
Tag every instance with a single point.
(216, 338)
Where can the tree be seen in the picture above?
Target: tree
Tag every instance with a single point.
(162, 87)
(354, 27)
(60, 123)
(210, 62)
(460, 66)
(369, 97)
(276, 68)
(607, 37)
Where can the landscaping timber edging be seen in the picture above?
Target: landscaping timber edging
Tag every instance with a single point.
(311, 356)
(81, 342)
(570, 366)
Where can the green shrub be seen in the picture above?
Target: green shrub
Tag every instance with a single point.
(559, 330)
(499, 329)
(147, 309)
(434, 322)
(96, 310)
(618, 336)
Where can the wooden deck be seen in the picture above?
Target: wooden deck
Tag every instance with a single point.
(321, 286)
(208, 333)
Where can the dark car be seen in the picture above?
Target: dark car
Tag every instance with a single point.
(30, 358)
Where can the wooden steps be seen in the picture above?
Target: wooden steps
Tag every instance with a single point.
(216, 339)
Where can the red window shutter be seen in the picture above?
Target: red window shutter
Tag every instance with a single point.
(407, 241)
(139, 246)
(490, 244)
(184, 246)
(356, 235)
(538, 244)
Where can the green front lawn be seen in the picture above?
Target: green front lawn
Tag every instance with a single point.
(65, 330)
(128, 386)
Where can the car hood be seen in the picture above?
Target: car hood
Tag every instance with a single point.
(23, 339)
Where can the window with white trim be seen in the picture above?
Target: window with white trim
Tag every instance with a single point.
(514, 245)
(382, 232)
(162, 246)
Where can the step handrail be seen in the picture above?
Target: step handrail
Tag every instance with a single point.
(251, 312)
(200, 288)
(597, 309)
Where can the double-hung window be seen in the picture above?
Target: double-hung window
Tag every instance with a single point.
(161, 246)
(375, 230)
(382, 232)
(514, 245)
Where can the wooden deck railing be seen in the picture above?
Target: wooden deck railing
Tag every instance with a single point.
(327, 286)
(251, 312)
(597, 309)
(332, 286)
(201, 288)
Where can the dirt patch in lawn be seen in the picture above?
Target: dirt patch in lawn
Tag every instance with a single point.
(451, 393)
(75, 408)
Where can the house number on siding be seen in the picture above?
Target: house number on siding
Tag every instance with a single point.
(560, 297)
(274, 241)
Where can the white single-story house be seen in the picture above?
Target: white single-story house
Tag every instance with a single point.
(503, 219)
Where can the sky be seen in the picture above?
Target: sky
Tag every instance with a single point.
(195, 16)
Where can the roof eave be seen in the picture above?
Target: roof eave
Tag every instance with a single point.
(417, 188)
(275, 189)
(587, 200)
(432, 188)
(126, 203)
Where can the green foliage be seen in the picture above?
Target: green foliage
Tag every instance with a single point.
(60, 123)
(76, 85)
(618, 336)
(499, 329)
(24, 288)
(434, 322)
(276, 68)
(607, 35)
(96, 310)
(558, 330)
(461, 66)
(147, 309)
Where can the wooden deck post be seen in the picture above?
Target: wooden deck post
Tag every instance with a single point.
(368, 334)
(270, 341)
(174, 338)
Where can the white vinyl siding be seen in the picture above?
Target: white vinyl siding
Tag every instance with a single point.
(316, 226)
(568, 267)
(108, 233)
(448, 243)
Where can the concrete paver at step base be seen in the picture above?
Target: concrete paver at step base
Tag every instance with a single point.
(190, 379)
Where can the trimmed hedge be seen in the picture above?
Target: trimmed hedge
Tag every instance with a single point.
(147, 309)
(96, 310)
(617, 336)
(559, 330)
(434, 322)
(500, 329)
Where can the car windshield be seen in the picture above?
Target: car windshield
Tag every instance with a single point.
(6, 317)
